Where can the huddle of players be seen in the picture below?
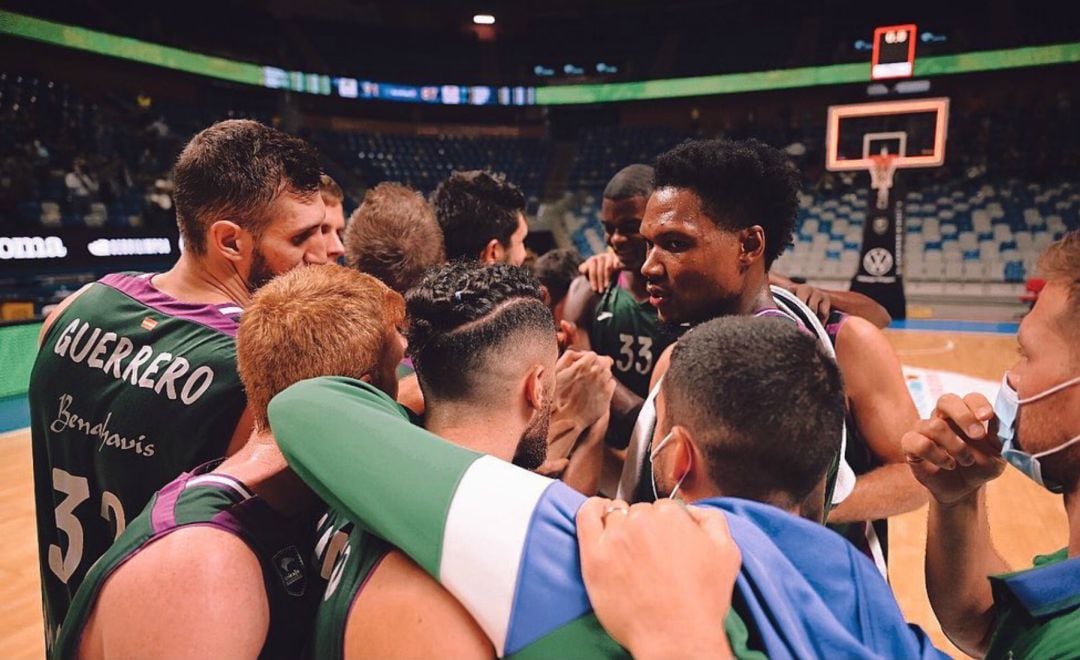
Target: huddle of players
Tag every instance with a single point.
(692, 241)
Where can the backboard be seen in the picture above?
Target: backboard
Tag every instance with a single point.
(914, 130)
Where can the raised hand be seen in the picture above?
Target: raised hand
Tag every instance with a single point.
(599, 269)
(818, 300)
(660, 576)
(957, 450)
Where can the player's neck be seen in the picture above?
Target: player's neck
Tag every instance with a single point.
(634, 282)
(1072, 510)
(479, 428)
(261, 467)
(756, 295)
(194, 280)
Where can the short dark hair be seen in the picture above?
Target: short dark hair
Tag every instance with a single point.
(393, 235)
(556, 270)
(740, 183)
(474, 207)
(764, 402)
(631, 181)
(235, 169)
(460, 312)
(330, 190)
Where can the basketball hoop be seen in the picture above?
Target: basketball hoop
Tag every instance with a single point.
(882, 169)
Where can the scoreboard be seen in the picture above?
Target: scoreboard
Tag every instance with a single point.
(894, 52)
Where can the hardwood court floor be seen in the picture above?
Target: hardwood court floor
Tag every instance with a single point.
(1025, 520)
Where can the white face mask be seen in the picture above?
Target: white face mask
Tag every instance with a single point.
(1006, 407)
(652, 469)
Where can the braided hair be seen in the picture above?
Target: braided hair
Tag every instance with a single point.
(460, 313)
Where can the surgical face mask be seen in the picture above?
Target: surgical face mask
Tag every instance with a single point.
(1006, 407)
(652, 469)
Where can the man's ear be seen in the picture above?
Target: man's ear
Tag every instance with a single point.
(684, 452)
(534, 388)
(492, 253)
(545, 295)
(752, 245)
(229, 240)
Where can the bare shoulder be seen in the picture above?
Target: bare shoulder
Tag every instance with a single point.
(861, 337)
(197, 591)
(55, 314)
(404, 612)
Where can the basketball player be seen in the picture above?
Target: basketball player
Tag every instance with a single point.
(620, 322)
(503, 540)
(216, 565)
(1035, 426)
(616, 316)
(721, 213)
(393, 235)
(136, 378)
(334, 226)
(484, 348)
(482, 218)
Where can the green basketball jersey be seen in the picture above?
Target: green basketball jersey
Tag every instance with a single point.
(348, 556)
(202, 498)
(129, 389)
(630, 333)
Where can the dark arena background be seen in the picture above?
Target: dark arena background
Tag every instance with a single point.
(938, 157)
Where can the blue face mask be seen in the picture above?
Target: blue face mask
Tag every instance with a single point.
(1005, 408)
(652, 469)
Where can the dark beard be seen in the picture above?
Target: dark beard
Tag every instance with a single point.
(531, 451)
(260, 272)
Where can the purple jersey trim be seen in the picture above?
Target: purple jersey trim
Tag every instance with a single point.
(227, 521)
(833, 329)
(163, 515)
(775, 313)
(143, 291)
(356, 595)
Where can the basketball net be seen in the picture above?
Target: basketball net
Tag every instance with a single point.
(882, 168)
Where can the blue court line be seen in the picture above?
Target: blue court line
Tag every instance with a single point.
(956, 326)
(14, 413)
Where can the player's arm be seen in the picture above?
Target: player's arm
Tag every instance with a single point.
(587, 460)
(403, 612)
(954, 454)
(57, 311)
(197, 593)
(861, 306)
(883, 410)
(580, 305)
(583, 390)
(822, 301)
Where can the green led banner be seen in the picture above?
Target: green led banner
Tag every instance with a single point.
(129, 49)
(252, 74)
(835, 74)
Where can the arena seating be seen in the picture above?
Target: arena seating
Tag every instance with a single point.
(422, 161)
(963, 227)
(963, 232)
